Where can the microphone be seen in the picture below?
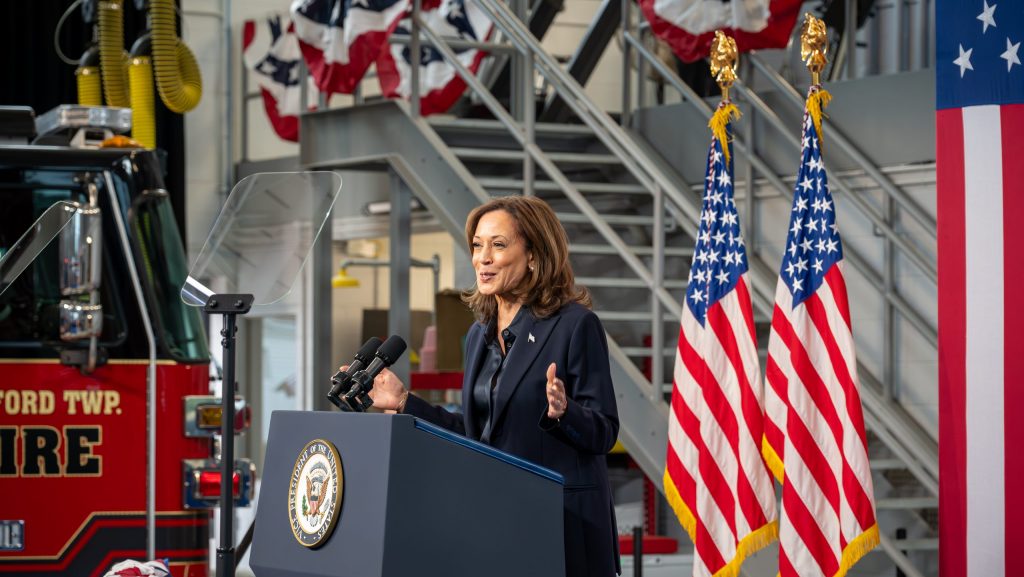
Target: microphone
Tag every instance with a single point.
(362, 381)
(343, 379)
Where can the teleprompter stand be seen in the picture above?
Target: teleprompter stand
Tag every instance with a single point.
(228, 306)
(254, 254)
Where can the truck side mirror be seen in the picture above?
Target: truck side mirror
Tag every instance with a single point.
(80, 273)
(80, 321)
(80, 253)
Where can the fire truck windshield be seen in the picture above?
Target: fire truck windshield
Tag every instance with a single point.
(30, 308)
(165, 268)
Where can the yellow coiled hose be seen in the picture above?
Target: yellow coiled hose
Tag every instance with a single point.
(113, 58)
(90, 90)
(177, 72)
(140, 83)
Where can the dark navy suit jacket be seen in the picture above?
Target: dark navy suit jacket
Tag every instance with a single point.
(575, 445)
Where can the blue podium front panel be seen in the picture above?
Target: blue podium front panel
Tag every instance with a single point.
(415, 500)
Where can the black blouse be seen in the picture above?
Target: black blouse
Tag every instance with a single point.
(488, 379)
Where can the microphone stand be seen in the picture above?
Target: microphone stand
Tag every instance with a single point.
(358, 399)
(229, 306)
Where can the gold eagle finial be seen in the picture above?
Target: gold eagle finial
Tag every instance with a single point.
(814, 46)
(724, 58)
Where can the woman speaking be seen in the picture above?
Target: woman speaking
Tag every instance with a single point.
(537, 382)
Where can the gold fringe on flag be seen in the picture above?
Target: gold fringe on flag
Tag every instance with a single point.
(860, 546)
(749, 545)
(817, 100)
(752, 543)
(720, 120)
(682, 511)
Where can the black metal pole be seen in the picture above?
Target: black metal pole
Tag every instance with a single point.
(226, 551)
(638, 551)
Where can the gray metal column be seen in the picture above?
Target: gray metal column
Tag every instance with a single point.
(889, 312)
(516, 100)
(850, 39)
(417, 57)
(748, 218)
(398, 312)
(465, 276)
(249, 373)
(320, 322)
(627, 55)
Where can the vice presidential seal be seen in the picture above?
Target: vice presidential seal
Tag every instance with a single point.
(315, 493)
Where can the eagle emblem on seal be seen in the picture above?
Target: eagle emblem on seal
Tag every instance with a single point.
(315, 493)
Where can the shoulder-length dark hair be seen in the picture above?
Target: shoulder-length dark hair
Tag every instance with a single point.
(550, 284)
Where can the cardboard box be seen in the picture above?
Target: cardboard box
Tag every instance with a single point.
(453, 321)
(375, 324)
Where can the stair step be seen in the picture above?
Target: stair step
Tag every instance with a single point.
(632, 316)
(578, 218)
(907, 503)
(613, 282)
(638, 250)
(491, 126)
(550, 186)
(646, 351)
(923, 544)
(887, 464)
(517, 155)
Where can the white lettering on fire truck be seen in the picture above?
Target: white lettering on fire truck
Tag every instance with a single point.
(93, 402)
(16, 402)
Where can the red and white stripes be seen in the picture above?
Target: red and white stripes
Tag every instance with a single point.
(981, 398)
(814, 434)
(715, 477)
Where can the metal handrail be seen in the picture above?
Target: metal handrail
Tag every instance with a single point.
(923, 262)
(535, 152)
(837, 137)
(856, 259)
(459, 43)
(606, 130)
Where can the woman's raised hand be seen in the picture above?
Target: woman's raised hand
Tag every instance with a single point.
(557, 402)
(388, 392)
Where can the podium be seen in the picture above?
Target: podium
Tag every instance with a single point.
(414, 500)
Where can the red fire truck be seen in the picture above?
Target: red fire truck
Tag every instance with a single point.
(95, 347)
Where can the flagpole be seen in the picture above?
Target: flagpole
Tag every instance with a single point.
(714, 474)
(828, 520)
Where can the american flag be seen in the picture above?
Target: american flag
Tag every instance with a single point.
(688, 26)
(440, 85)
(980, 136)
(271, 52)
(715, 478)
(340, 39)
(814, 425)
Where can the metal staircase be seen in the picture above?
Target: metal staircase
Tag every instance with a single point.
(631, 220)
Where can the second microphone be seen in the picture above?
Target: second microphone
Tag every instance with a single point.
(357, 398)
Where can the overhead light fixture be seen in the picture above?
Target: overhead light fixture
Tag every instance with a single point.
(343, 280)
(384, 207)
